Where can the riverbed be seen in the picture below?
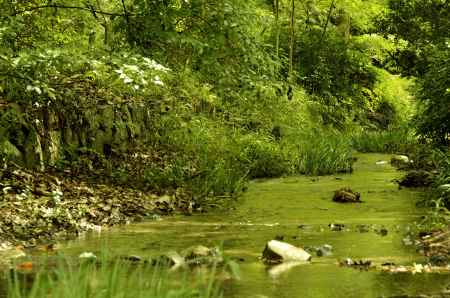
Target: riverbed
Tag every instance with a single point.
(299, 210)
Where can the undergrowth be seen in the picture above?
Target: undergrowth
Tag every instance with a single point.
(213, 160)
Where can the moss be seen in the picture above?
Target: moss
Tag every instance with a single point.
(10, 151)
(33, 154)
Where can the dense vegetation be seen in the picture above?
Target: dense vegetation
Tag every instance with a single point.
(231, 90)
(113, 110)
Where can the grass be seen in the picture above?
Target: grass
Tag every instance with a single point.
(322, 153)
(216, 161)
(112, 279)
(384, 141)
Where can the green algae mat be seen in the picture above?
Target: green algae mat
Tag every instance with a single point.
(299, 210)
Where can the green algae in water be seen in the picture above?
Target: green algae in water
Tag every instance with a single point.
(278, 207)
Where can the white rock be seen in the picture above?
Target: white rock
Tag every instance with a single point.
(285, 251)
(403, 158)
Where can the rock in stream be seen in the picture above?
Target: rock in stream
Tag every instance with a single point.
(277, 252)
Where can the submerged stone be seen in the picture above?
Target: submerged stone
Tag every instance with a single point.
(418, 178)
(346, 195)
(202, 255)
(381, 232)
(336, 227)
(400, 161)
(132, 258)
(324, 250)
(171, 259)
(361, 264)
(363, 228)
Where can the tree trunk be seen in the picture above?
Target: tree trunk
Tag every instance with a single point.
(291, 42)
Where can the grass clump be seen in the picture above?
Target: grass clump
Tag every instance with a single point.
(111, 279)
(399, 140)
(319, 153)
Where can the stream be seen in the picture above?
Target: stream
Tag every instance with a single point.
(299, 209)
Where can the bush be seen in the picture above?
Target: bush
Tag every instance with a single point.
(265, 158)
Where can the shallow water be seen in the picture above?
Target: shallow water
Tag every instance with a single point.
(277, 207)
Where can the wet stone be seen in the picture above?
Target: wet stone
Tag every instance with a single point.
(200, 254)
(346, 195)
(277, 252)
(356, 264)
(381, 232)
(324, 250)
(132, 258)
(336, 227)
(363, 228)
(418, 178)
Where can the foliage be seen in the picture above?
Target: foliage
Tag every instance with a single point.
(211, 81)
(337, 57)
(434, 97)
(424, 25)
(49, 76)
(216, 38)
(329, 65)
(438, 199)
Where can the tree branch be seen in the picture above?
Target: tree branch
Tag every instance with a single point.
(125, 12)
(127, 19)
(89, 9)
(327, 21)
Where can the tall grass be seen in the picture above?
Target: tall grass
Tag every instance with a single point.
(119, 279)
(400, 140)
(321, 153)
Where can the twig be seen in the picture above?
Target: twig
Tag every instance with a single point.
(90, 9)
(327, 21)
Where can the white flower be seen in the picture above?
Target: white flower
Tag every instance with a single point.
(127, 80)
(155, 65)
(56, 195)
(48, 212)
(131, 67)
(157, 81)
